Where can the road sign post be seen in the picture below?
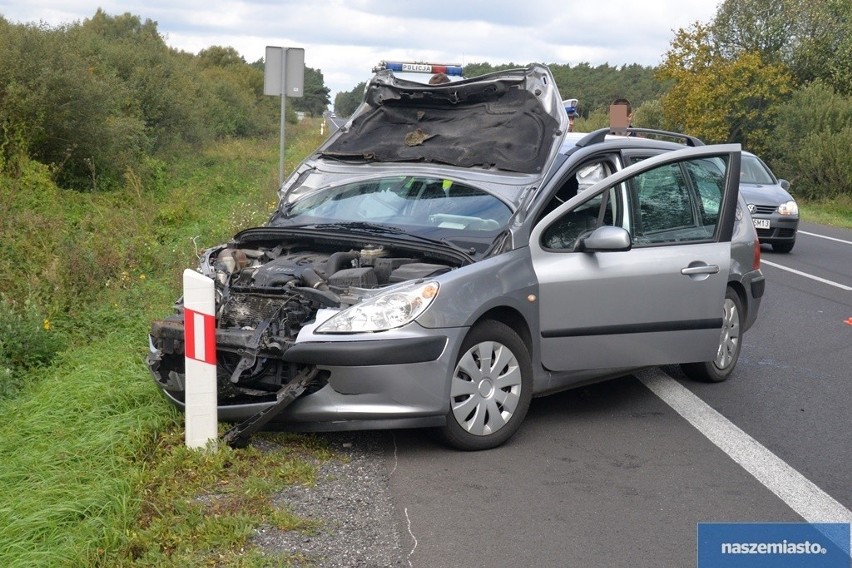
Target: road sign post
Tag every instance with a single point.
(284, 76)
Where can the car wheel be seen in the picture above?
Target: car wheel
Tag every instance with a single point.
(490, 388)
(783, 247)
(730, 343)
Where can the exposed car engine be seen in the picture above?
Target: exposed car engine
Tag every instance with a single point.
(264, 295)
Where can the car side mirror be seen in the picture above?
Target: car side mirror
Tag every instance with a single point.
(605, 239)
(785, 185)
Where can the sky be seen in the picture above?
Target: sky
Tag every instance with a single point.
(345, 39)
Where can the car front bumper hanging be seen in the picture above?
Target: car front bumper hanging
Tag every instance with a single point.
(239, 435)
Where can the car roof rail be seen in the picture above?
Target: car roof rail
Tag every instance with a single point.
(687, 139)
(599, 135)
(595, 137)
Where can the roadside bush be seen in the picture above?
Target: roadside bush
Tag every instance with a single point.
(813, 138)
(229, 106)
(63, 249)
(822, 170)
(27, 341)
(649, 115)
(598, 118)
(68, 111)
(89, 424)
(94, 99)
(31, 230)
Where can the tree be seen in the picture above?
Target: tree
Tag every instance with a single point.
(234, 103)
(813, 38)
(218, 56)
(597, 87)
(824, 47)
(62, 108)
(755, 26)
(315, 99)
(477, 69)
(92, 99)
(717, 98)
(162, 82)
(346, 102)
(813, 138)
(649, 115)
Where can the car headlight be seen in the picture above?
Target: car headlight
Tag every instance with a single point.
(383, 311)
(788, 208)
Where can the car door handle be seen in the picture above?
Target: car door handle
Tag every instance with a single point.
(703, 269)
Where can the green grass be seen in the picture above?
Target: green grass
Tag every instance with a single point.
(94, 471)
(201, 508)
(836, 213)
(71, 446)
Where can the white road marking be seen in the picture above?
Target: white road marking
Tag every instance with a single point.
(407, 518)
(812, 503)
(395, 457)
(414, 538)
(824, 237)
(806, 275)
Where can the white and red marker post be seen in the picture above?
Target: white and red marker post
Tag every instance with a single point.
(199, 305)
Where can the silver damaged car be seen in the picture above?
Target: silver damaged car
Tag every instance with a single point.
(452, 251)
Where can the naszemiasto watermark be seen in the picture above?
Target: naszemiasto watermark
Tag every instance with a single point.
(780, 545)
(783, 547)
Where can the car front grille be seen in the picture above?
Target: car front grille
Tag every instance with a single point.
(764, 209)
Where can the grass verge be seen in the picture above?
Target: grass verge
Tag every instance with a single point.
(94, 471)
(836, 213)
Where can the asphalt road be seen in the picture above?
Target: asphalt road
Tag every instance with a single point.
(612, 475)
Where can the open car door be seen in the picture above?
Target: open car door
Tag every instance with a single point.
(633, 270)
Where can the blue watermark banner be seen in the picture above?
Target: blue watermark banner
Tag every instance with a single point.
(773, 545)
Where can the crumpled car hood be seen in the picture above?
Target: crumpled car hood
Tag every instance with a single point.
(509, 120)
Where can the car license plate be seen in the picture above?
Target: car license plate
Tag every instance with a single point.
(761, 223)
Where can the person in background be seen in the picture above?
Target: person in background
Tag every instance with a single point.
(626, 103)
(571, 109)
(439, 79)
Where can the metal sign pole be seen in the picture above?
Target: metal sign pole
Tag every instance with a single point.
(284, 75)
(283, 121)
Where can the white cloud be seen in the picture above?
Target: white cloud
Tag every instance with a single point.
(345, 38)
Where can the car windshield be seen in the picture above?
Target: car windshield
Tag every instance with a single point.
(753, 171)
(427, 206)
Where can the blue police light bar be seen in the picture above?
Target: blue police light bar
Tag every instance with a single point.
(400, 67)
(571, 106)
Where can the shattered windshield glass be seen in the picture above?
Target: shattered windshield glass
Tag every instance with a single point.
(405, 202)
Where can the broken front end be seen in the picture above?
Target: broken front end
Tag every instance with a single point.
(266, 293)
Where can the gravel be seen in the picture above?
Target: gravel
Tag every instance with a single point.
(352, 504)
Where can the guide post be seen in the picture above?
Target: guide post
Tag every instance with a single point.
(199, 313)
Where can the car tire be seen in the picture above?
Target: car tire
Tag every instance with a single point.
(783, 247)
(490, 388)
(730, 343)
